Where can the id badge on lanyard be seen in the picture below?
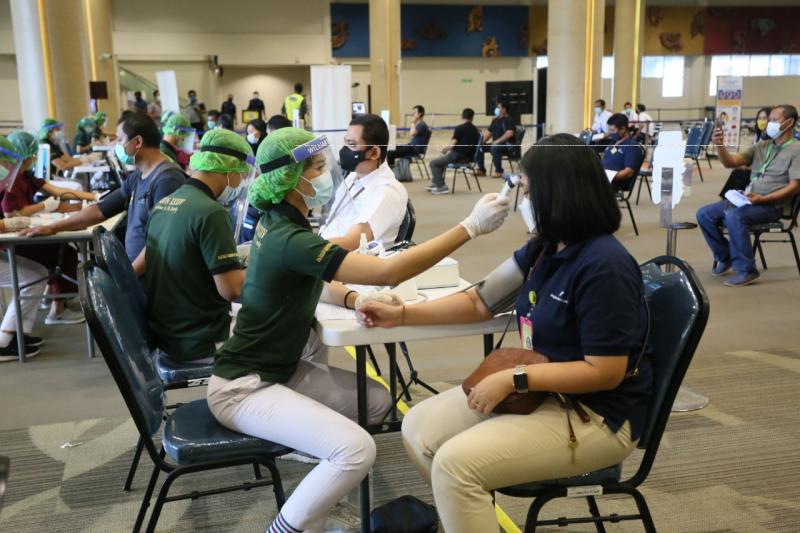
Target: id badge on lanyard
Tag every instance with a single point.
(526, 324)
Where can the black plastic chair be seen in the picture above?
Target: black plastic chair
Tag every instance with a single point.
(516, 153)
(419, 159)
(624, 192)
(678, 315)
(110, 256)
(785, 226)
(192, 438)
(465, 166)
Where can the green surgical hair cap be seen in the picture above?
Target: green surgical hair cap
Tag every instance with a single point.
(25, 144)
(174, 124)
(222, 163)
(271, 187)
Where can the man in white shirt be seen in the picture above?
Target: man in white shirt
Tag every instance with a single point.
(646, 121)
(370, 200)
(601, 116)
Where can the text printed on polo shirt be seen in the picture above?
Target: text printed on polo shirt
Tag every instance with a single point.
(169, 205)
(560, 298)
(261, 231)
(324, 251)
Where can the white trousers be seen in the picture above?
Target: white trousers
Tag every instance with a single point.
(27, 271)
(314, 413)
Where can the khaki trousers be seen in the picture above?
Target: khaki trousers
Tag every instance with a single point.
(464, 455)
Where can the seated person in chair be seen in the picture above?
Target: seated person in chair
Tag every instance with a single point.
(260, 385)
(624, 155)
(154, 178)
(52, 133)
(774, 181)
(420, 136)
(460, 149)
(18, 201)
(370, 200)
(84, 138)
(588, 318)
(499, 140)
(192, 268)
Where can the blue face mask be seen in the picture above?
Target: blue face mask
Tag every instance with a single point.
(211, 124)
(497, 111)
(323, 190)
(122, 155)
(230, 194)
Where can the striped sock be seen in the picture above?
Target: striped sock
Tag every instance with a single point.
(280, 525)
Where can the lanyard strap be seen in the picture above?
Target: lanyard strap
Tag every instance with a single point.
(335, 210)
(772, 154)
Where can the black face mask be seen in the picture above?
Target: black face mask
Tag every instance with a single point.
(349, 159)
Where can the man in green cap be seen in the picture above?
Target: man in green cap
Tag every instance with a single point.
(178, 133)
(191, 263)
(83, 138)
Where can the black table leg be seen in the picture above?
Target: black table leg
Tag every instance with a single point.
(12, 265)
(391, 351)
(361, 392)
(83, 257)
(488, 344)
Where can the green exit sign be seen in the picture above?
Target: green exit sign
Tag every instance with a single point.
(466, 80)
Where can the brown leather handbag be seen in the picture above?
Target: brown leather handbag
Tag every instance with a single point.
(515, 403)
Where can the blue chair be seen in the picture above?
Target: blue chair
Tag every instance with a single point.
(464, 166)
(678, 316)
(694, 144)
(110, 255)
(419, 159)
(192, 439)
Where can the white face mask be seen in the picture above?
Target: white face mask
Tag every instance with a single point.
(774, 129)
(229, 194)
(526, 211)
(251, 138)
(597, 110)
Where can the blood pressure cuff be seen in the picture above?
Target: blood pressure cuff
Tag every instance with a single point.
(498, 291)
(113, 203)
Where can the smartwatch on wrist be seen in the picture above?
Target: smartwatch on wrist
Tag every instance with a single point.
(520, 379)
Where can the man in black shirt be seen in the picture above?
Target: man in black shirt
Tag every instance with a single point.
(460, 149)
(420, 137)
(499, 140)
(229, 108)
(256, 104)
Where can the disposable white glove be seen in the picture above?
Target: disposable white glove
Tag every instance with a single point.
(488, 214)
(51, 203)
(16, 223)
(244, 253)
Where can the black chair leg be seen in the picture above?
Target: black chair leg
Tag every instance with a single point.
(699, 169)
(257, 471)
(633, 220)
(757, 246)
(794, 249)
(469, 187)
(455, 176)
(477, 181)
(134, 465)
(644, 510)
(277, 484)
(601, 528)
(148, 493)
(162, 495)
(373, 360)
(532, 519)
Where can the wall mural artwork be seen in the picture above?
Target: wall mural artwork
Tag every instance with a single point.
(698, 24)
(751, 30)
(437, 30)
(671, 41)
(654, 16)
(475, 19)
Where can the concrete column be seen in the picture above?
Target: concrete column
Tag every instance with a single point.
(102, 61)
(69, 59)
(34, 73)
(384, 56)
(628, 43)
(575, 52)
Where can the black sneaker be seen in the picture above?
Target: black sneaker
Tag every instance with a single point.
(10, 353)
(30, 340)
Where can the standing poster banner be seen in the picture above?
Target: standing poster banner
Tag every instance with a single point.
(729, 109)
(331, 109)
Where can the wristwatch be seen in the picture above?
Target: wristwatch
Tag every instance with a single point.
(520, 379)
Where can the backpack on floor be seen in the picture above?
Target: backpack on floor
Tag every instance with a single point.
(406, 514)
(402, 169)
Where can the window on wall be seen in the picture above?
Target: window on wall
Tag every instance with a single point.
(607, 69)
(672, 82)
(752, 65)
(669, 69)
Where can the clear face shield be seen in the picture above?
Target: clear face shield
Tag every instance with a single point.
(10, 165)
(234, 198)
(322, 182)
(187, 139)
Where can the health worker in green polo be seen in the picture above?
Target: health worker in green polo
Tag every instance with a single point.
(83, 137)
(192, 269)
(178, 136)
(260, 385)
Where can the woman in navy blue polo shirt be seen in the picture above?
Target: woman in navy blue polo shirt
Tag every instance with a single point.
(579, 297)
